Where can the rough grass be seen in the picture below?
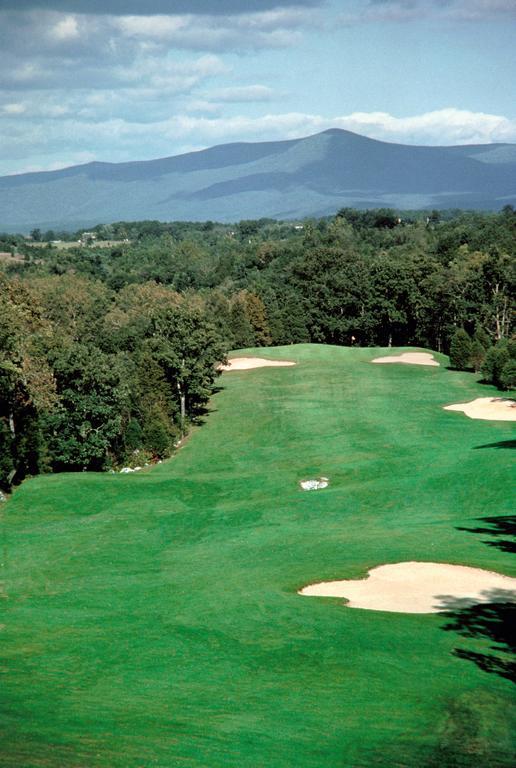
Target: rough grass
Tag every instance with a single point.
(153, 620)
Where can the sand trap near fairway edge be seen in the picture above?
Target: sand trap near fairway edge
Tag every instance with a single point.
(410, 358)
(246, 363)
(418, 587)
(491, 408)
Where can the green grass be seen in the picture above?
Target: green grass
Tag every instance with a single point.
(153, 619)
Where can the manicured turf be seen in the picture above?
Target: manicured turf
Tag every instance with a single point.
(152, 619)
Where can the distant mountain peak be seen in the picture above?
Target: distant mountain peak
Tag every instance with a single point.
(310, 176)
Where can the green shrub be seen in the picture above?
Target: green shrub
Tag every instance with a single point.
(478, 355)
(508, 375)
(460, 350)
(157, 438)
(494, 363)
(133, 435)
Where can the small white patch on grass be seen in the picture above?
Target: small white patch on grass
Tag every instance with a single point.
(314, 485)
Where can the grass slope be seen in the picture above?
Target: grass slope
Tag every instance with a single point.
(153, 620)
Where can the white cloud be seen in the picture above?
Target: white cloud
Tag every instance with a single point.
(66, 28)
(13, 109)
(25, 73)
(444, 126)
(77, 138)
(118, 139)
(441, 127)
(157, 27)
(246, 31)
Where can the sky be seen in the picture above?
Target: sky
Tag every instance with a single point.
(117, 80)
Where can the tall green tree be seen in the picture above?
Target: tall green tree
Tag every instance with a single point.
(460, 350)
(92, 397)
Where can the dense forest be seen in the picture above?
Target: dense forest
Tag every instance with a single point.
(109, 340)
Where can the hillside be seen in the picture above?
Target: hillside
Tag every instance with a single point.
(312, 176)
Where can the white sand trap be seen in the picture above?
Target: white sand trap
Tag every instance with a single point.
(411, 358)
(418, 588)
(245, 363)
(492, 408)
(314, 485)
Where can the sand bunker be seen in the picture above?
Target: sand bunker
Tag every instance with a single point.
(414, 587)
(412, 358)
(314, 485)
(245, 363)
(492, 408)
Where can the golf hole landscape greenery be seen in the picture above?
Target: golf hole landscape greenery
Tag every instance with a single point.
(153, 619)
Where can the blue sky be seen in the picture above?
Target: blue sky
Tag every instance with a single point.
(117, 80)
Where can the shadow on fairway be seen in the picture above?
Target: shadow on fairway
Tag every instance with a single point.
(494, 621)
(499, 444)
(497, 526)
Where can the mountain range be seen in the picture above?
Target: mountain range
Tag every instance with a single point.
(312, 176)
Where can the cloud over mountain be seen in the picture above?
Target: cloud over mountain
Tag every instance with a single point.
(123, 79)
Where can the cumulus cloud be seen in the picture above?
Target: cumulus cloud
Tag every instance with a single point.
(119, 80)
(441, 127)
(65, 29)
(52, 51)
(48, 49)
(444, 126)
(247, 31)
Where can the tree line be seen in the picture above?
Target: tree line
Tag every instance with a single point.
(88, 376)
(107, 354)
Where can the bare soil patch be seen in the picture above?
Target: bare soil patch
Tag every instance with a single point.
(410, 358)
(246, 363)
(491, 408)
(7, 257)
(415, 587)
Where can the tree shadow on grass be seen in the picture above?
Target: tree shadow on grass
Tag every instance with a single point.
(505, 526)
(492, 622)
(500, 444)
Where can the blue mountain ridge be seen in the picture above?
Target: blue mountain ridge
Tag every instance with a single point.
(290, 179)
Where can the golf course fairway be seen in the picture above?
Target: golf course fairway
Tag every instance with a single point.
(153, 619)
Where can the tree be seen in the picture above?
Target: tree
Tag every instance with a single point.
(27, 387)
(170, 335)
(495, 361)
(498, 277)
(256, 315)
(188, 349)
(508, 374)
(92, 393)
(460, 350)
(242, 334)
(332, 287)
(477, 355)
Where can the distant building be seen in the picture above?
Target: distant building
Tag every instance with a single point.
(87, 238)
